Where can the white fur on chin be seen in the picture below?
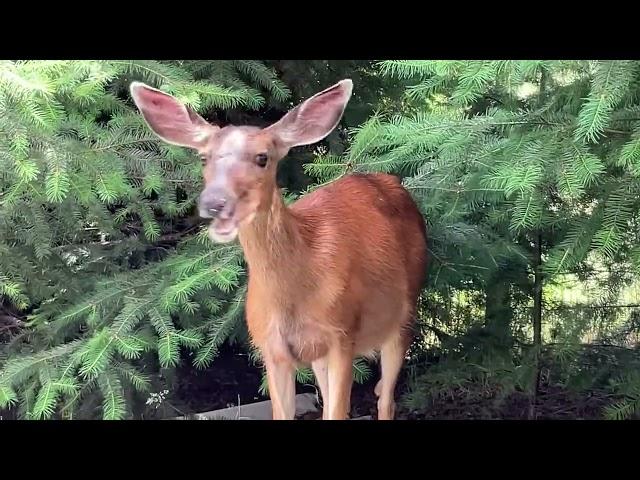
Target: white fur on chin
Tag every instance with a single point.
(218, 238)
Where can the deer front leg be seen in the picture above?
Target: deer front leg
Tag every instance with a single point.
(340, 380)
(282, 388)
(320, 370)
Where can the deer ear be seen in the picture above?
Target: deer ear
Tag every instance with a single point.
(314, 119)
(170, 119)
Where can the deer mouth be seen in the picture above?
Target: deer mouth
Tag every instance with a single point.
(223, 231)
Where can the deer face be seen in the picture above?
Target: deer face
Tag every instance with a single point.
(239, 163)
(239, 173)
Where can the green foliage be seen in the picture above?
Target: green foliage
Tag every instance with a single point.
(498, 154)
(101, 250)
(610, 83)
(507, 161)
(89, 197)
(629, 406)
(104, 259)
(114, 405)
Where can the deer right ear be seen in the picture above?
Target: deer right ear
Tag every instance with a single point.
(170, 119)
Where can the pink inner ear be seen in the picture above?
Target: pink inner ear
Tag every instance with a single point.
(156, 103)
(334, 98)
(325, 108)
(170, 119)
(330, 97)
(314, 119)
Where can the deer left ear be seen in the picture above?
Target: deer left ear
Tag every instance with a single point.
(314, 119)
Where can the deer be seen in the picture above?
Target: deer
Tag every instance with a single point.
(332, 277)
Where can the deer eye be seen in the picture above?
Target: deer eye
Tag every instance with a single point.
(203, 159)
(261, 159)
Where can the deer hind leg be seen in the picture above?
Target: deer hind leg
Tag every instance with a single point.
(391, 359)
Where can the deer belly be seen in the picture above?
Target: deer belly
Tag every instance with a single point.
(306, 344)
(381, 319)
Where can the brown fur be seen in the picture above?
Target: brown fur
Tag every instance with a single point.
(341, 269)
(344, 261)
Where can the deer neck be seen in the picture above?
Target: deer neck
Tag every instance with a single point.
(273, 244)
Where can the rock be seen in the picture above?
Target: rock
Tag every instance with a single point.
(305, 404)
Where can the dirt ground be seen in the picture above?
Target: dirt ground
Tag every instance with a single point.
(230, 380)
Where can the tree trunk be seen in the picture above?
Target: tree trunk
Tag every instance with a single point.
(537, 290)
(498, 312)
(537, 326)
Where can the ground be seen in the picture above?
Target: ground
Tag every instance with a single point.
(230, 379)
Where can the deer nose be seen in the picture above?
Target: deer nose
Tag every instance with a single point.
(215, 204)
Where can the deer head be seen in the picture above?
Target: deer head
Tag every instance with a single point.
(239, 162)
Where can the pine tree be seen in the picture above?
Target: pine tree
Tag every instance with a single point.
(89, 203)
(106, 266)
(489, 165)
(504, 157)
(103, 259)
